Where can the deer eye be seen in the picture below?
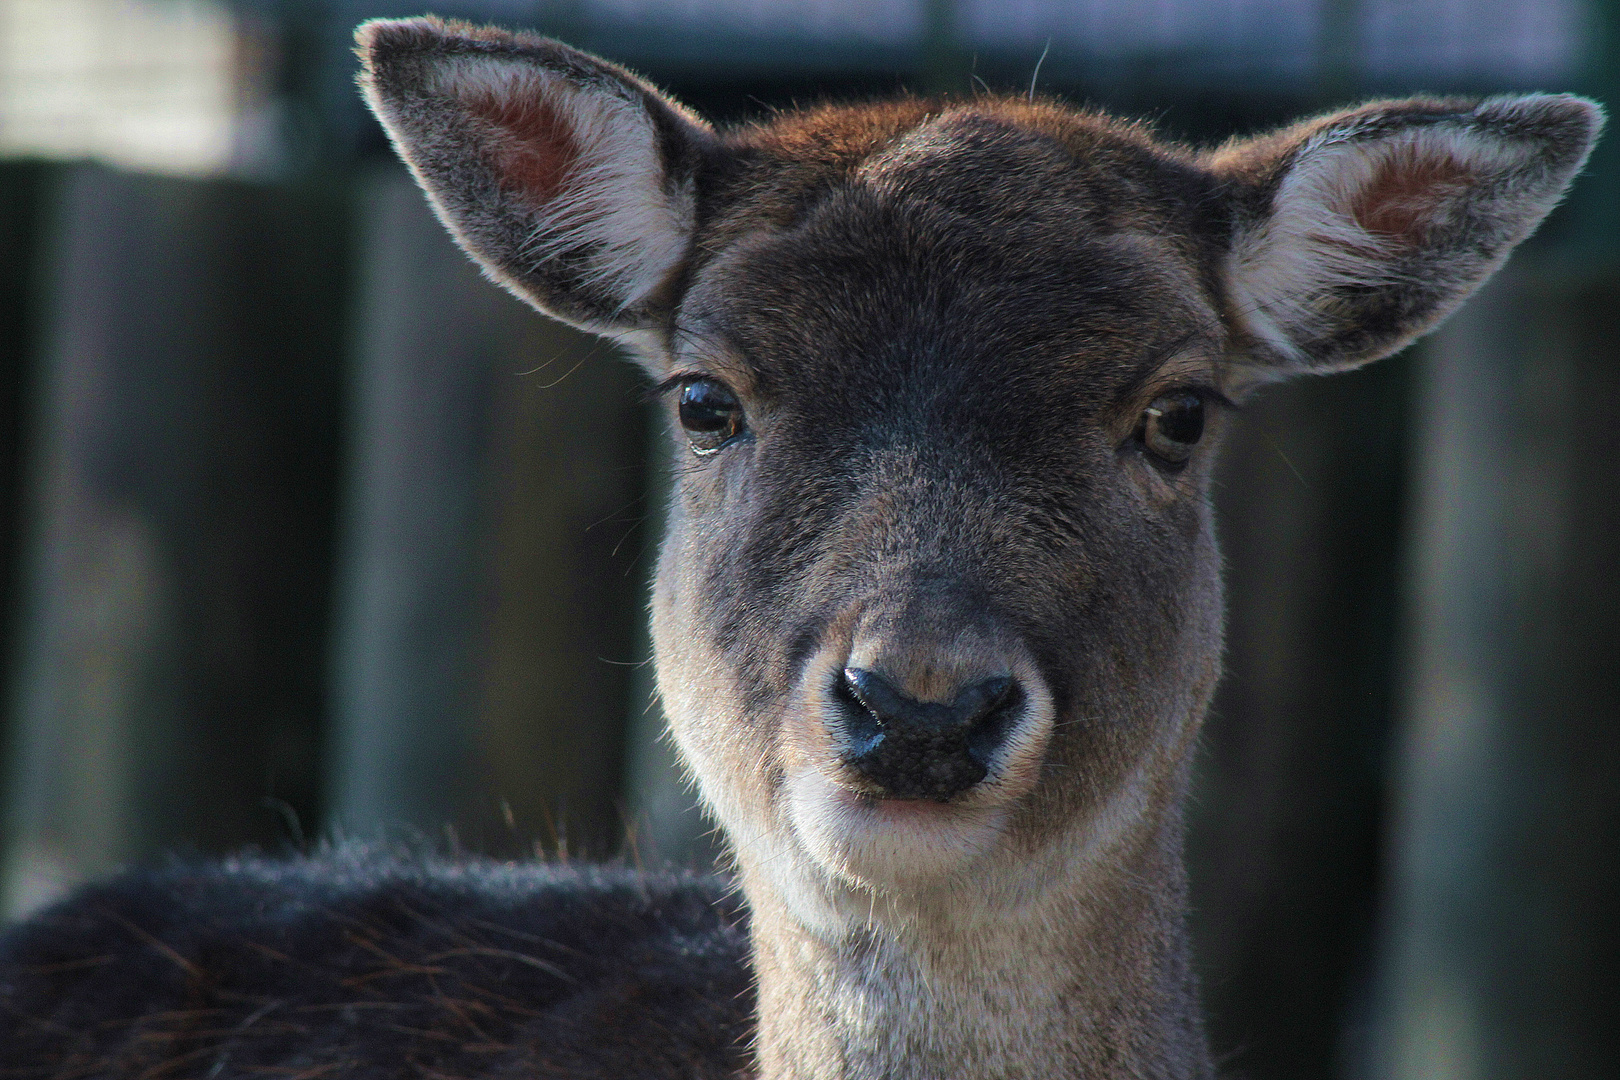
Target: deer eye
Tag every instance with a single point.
(1172, 426)
(711, 415)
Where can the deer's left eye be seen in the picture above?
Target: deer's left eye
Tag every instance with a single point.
(1172, 426)
(711, 415)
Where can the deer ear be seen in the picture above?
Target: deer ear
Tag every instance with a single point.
(1358, 232)
(568, 179)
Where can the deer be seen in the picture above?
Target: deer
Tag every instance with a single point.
(938, 613)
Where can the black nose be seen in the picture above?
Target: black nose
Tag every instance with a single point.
(920, 749)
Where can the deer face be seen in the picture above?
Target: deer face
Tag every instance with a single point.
(939, 607)
(967, 436)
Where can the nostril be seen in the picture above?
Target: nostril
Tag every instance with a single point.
(988, 729)
(863, 730)
(874, 696)
(982, 698)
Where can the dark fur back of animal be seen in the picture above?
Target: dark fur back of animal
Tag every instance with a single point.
(359, 966)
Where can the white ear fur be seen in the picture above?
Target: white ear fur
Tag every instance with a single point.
(568, 179)
(1315, 241)
(610, 199)
(1393, 216)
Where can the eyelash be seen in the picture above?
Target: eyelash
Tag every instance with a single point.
(673, 383)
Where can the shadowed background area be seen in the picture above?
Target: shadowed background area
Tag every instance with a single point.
(307, 531)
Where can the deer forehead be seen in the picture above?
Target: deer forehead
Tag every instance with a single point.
(964, 250)
(886, 298)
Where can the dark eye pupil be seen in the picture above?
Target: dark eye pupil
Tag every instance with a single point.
(1183, 421)
(710, 414)
(706, 406)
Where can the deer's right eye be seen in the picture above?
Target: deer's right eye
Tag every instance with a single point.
(1171, 427)
(711, 415)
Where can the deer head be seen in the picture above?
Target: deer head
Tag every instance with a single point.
(938, 613)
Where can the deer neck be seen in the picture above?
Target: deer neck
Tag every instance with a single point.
(1091, 977)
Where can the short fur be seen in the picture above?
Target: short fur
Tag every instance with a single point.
(952, 330)
(364, 964)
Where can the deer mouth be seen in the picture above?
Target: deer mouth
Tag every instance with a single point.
(875, 841)
(891, 790)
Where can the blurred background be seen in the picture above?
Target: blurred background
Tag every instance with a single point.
(308, 532)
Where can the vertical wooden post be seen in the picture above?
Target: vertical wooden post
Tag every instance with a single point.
(944, 60)
(406, 625)
(1507, 788)
(23, 187)
(489, 596)
(1286, 820)
(169, 670)
(1452, 785)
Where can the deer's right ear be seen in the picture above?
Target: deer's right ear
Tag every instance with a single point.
(571, 181)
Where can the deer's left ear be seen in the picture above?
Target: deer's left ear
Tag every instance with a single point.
(1356, 233)
(571, 181)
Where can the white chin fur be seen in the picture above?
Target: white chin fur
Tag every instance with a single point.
(873, 843)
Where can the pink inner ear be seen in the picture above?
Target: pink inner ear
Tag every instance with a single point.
(1404, 198)
(538, 151)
